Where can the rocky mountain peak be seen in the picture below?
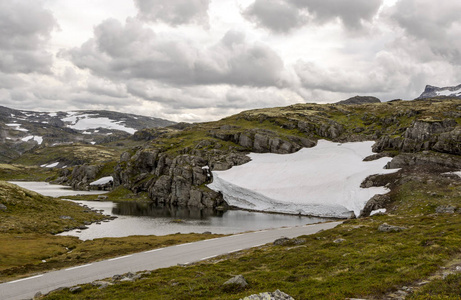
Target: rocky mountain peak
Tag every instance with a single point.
(433, 91)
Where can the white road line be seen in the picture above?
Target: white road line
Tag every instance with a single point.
(155, 250)
(236, 250)
(19, 280)
(208, 257)
(180, 245)
(112, 259)
(78, 267)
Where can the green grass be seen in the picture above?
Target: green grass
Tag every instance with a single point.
(26, 173)
(120, 193)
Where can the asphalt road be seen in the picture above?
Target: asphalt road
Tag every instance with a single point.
(26, 288)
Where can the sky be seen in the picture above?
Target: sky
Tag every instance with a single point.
(201, 60)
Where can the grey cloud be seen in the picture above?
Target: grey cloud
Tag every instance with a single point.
(134, 51)
(284, 15)
(174, 12)
(277, 15)
(433, 25)
(25, 30)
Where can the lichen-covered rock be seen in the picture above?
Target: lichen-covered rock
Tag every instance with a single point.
(238, 281)
(390, 228)
(445, 209)
(277, 295)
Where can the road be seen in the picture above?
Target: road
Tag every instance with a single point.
(150, 260)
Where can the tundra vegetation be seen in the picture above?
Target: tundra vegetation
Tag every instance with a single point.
(421, 259)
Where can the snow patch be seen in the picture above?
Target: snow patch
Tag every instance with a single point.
(52, 114)
(453, 173)
(36, 138)
(103, 180)
(52, 165)
(320, 181)
(448, 92)
(378, 211)
(88, 121)
(17, 127)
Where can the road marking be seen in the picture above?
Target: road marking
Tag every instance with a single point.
(78, 267)
(210, 240)
(150, 251)
(205, 258)
(180, 245)
(112, 259)
(25, 279)
(237, 250)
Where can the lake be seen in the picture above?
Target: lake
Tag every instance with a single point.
(146, 218)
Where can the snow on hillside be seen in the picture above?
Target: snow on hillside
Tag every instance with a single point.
(449, 93)
(88, 121)
(321, 181)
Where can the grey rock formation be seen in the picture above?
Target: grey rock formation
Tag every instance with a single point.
(359, 100)
(75, 289)
(284, 241)
(376, 202)
(277, 295)
(390, 228)
(433, 91)
(3, 207)
(238, 281)
(83, 175)
(445, 209)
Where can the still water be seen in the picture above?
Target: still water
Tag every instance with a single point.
(145, 218)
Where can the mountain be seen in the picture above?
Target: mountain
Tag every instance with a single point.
(359, 100)
(433, 91)
(23, 130)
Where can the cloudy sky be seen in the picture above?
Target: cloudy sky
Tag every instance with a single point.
(200, 60)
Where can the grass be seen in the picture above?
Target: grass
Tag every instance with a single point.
(118, 194)
(367, 264)
(26, 173)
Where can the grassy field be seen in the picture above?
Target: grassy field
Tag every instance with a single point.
(354, 260)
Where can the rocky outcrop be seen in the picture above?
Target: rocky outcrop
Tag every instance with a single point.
(277, 295)
(438, 135)
(390, 228)
(359, 100)
(82, 176)
(433, 91)
(425, 158)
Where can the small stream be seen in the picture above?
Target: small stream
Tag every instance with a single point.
(146, 218)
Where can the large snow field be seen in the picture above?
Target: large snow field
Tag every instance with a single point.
(320, 181)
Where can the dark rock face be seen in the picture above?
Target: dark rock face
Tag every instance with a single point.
(433, 91)
(359, 100)
(82, 176)
(442, 136)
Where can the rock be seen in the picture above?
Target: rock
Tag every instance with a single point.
(445, 209)
(277, 295)
(3, 207)
(376, 202)
(388, 228)
(284, 241)
(338, 241)
(432, 91)
(38, 295)
(238, 282)
(76, 289)
(101, 284)
(102, 197)
(65, 218)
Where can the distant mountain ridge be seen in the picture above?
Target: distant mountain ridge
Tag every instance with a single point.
(21, 130)
(432, 91)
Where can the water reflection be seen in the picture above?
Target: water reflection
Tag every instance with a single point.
(148, 209)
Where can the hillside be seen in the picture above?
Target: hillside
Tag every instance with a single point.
(21, 131)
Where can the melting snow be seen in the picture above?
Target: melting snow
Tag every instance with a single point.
(103, 180)
(36, 138)
(377, 211)
(87, 121)
(52, 114)
(18, 127)
(321, 181)
(448, 92)
(50, 165)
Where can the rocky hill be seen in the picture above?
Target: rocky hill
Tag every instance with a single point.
(21, 131)
(174, 167)
(359, 100)
(433, 91)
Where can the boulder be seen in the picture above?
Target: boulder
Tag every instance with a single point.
(238, 282)
(445, 209)
(277, 295)
(3, 207)
(76, 289)
(390, 228)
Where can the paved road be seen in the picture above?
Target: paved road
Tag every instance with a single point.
(150, 260)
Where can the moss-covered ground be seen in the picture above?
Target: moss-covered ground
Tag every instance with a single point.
(354, 260)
